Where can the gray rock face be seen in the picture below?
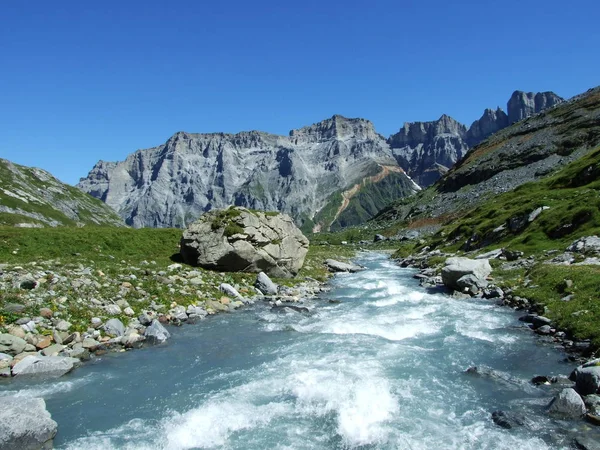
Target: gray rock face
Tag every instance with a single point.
(589, 245)
(265, 285)
(567, 404)
(524, 104)
(457, 267)
(25, 424)
(490, 122)
(426, 150)
(173, 184)
(238, 239)
(114, 327)
(44, 366)
(157, 333)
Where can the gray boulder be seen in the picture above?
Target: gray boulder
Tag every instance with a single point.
(338, 266)
(44, 366)
(567, 404)
(11, 344)
(457, 267)
(264, 284)
(157, 333)
(25, 424)
(240, 240)
(114, 327)
(471, 284)
(229, 290)
(585, 245)
(587, 380)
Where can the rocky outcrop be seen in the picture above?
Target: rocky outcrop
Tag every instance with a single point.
(173, 184)
(490, 122)
(25, 424)
(241, 240)
(44, 366)
(525, 104)
(33, 198)
(426, 150)
(567, 404)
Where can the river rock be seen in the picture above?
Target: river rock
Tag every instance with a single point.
(264, 284)
(586, 443)
(471, 284)
(338, 266)
(25, 424)
(63, 325)
(229, 290)
(587, 380)
(12, 345)
(156, 332)
(53, 350)
(44, 366)
(114, 327)
(567, 404)
(457, 267)
(112, 310)
(237, 239)
(509, 420)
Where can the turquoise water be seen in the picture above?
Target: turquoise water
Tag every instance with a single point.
(383, 369)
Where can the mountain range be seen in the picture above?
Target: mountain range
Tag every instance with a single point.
(334, 173)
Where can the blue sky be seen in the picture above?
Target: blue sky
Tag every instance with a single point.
(82, 81)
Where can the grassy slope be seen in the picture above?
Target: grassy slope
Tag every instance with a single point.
(573, 195)
(38, 192)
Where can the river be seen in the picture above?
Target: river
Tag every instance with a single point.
(382, 369)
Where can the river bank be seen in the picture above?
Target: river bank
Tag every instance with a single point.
(381, 366)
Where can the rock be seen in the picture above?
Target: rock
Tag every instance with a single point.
(338, 266)
(592, 403)
(567, 404)
(229, 290)
(90, 344)
(63, 325)
(17, 331)
(540, 321)
(53, 350)
(46, 313)
(112, 310)
(493, 254)
(379, 238)
(508, 420)
(156, 332)
(96, 322)
(511, 255)
(587, 380)
(25, 424)
(12, 345)
(264, 284)
(471, 284)
(238, 239)
(540, 379)
(43, 342)
(129, 312)
(457, 267)
(114, 327)
(585, 245)
(217, 306)
(544, 330)
(586, 443)
(146, 318)
(28, 284)
(16, 308)
(44, 366)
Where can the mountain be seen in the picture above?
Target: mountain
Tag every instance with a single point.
(300, 174)
(31, 197)
(426, 150)
(524, 152)
(331, 174)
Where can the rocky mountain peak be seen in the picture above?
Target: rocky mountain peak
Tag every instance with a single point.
(337, 127)
(524, 104)
(490, 122)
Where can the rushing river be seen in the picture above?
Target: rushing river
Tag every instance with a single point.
(382, 369)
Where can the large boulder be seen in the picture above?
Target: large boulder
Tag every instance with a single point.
(11, 344)
(25, 424)
(338, 266)
(567, 404)
(44, 366)
(156, 333)
(241, 240)
(586, 245)
(458, 267)
(587, 380)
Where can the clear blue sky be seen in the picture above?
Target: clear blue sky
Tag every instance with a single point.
(82, 81)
